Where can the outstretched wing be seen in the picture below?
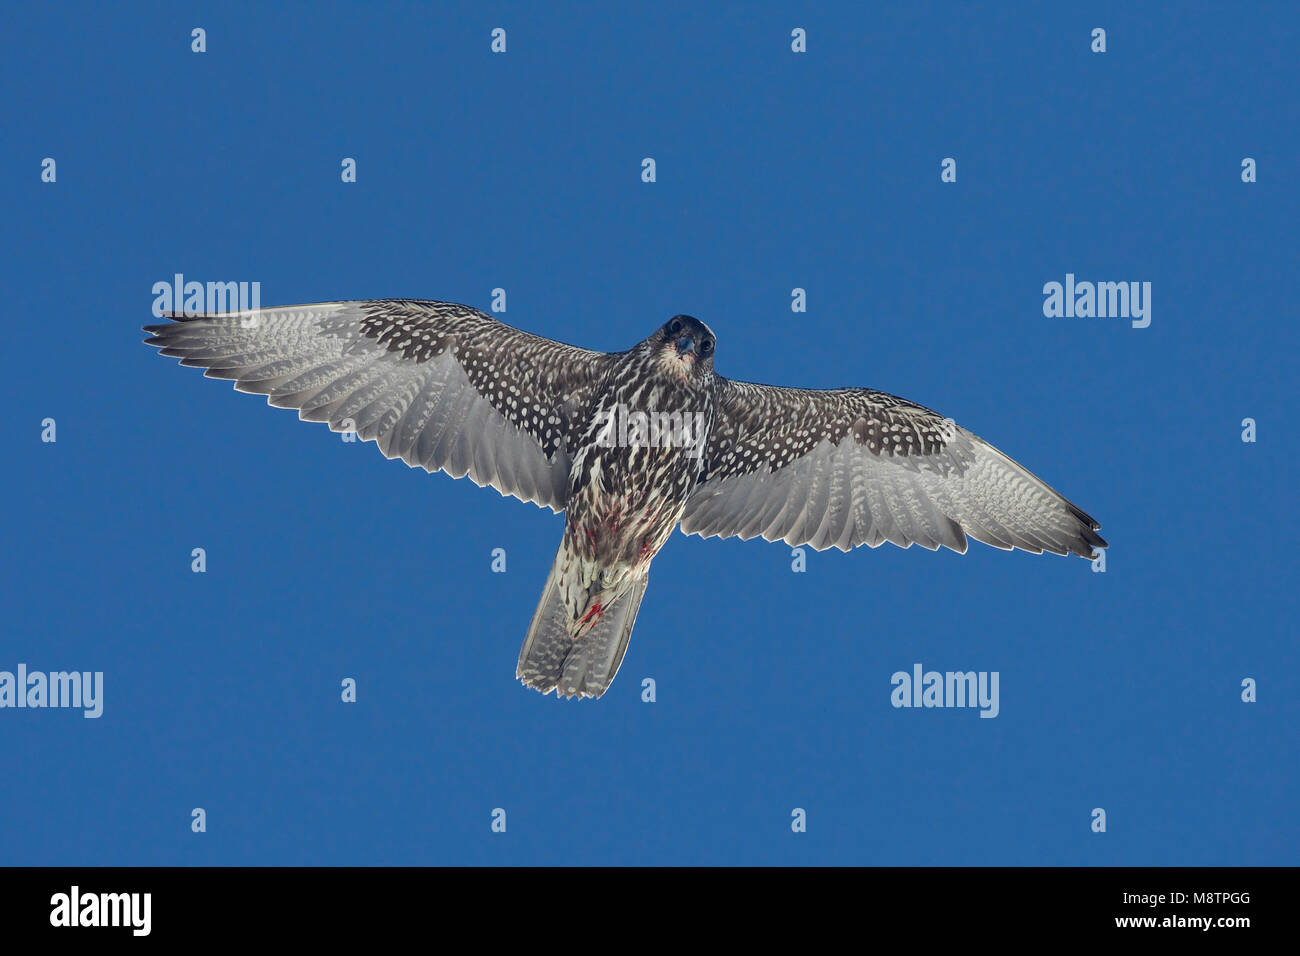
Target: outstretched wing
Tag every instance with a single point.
(853, 466)
(442, 386)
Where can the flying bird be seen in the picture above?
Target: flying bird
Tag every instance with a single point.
(628, 445)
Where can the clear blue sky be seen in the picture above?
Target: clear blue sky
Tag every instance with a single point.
(775, 171)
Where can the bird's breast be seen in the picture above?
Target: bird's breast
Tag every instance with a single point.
(640, 458)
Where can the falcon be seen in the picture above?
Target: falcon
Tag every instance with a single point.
(629, 445)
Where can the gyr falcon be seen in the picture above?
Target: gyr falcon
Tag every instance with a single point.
(628, 445)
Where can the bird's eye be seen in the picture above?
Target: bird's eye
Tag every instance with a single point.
(674, 327)
(706, 346)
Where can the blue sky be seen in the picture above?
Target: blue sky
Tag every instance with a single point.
(775, 170)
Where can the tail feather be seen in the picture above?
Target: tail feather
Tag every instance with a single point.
(552, 660)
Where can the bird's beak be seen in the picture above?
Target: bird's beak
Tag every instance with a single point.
(686, 344)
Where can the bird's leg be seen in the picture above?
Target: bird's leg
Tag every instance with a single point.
(584, 625)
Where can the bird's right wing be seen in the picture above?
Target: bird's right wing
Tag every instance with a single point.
(442, 386)
(851, 466)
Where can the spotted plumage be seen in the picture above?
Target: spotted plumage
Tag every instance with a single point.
(630, 446)
(626, 497)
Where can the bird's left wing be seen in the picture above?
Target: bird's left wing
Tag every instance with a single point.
(852, 466)
(442, 386)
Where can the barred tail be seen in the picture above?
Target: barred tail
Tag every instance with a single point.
(551, 660)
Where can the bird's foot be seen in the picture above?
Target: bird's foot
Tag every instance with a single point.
(588, 620)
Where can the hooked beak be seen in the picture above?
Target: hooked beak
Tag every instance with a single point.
(685, 345)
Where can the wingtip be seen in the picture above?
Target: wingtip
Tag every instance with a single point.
(1094, 541)
(159, 330)
(191, 316)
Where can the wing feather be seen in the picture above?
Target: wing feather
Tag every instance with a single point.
(845, 467)
(439, 385)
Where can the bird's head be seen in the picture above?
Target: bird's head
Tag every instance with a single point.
(683, 347)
